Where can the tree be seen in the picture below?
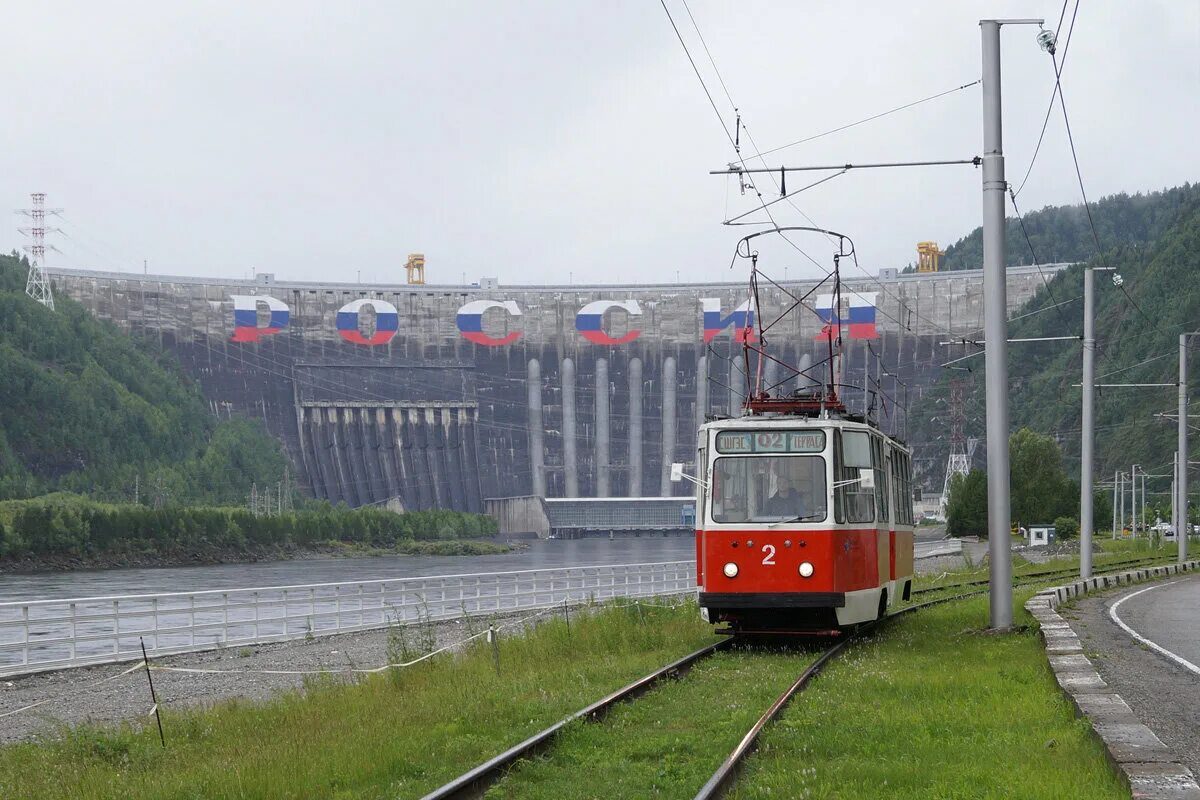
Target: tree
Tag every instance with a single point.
(1102, 510)
(966, 508)
(1066, 527)
(1041, 490)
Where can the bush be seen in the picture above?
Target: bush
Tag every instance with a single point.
(71, 525)
(1066, 527)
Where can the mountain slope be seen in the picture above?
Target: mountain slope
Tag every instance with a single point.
(1137, 329)
(1061, 233)
(85, 407)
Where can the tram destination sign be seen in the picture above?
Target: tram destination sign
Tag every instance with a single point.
(770, 441)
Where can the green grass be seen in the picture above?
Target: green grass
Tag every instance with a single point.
(397, 735)
(668, 743)
(1109, 555)
(933, 707)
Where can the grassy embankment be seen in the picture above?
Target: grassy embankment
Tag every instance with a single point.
(389, 736)
(931, 705)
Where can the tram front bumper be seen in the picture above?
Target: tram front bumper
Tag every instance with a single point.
(772, 600)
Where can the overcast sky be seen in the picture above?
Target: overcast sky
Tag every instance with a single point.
(552, 141)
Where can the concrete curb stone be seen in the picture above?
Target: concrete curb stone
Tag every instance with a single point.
(1153, 771)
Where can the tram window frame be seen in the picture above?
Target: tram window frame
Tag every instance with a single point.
(819, 471)
(882, 481)
(850, 499)
(908, 489)
(702, 484)
(898, 484)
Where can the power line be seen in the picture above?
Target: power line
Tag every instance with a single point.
(1062, 101)
(1029, 242)
(699, 77)
(871, 118)
(1053, 93)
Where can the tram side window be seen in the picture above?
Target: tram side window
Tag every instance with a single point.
(900, 493)
(908, 489)
(883, 480)
(852, 501)
(903, 493)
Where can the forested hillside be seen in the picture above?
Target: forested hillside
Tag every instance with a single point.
(1061, 233)
(1137, 329)
(85, 407)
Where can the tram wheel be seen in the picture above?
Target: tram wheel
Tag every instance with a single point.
(882, 605)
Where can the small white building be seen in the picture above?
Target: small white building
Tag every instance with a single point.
(1040, 535)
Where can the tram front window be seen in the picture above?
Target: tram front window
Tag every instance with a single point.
(769, 489)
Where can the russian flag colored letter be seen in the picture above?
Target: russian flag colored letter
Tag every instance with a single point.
(470, 322)
(387, 322)
(245, 317)
(590, 321)
(741, 318)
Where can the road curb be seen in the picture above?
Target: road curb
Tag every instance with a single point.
(1153, 771)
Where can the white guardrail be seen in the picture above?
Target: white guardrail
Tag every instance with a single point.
(41, 635)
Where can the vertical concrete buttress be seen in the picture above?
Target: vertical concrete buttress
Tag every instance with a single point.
(602, 429)
(537, 429)
(670, 377)
(451, 460)
(570, 465)
(737, 380)
(635, 427)
(806, 378)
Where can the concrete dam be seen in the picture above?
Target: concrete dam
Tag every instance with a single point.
(443, 396)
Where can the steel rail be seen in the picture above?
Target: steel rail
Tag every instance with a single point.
(1065, 572)
(722, 780)
(475, 782)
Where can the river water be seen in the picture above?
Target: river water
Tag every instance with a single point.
(540, 554)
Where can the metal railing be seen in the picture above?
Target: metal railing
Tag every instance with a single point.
(50, 634)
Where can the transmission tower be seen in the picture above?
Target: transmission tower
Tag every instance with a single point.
(37, 285)
(959, 462)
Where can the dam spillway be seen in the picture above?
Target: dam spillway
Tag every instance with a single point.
(442, 396)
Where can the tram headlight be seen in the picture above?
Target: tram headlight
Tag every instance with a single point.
(730, 570)
(806, 569)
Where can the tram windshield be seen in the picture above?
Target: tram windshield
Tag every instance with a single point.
(769, 489)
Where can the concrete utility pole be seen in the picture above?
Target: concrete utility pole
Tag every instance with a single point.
(1181, 459)
(1133, 500)
(995, 317)
(1121, 480)
(1116, 489)
(1089, 425)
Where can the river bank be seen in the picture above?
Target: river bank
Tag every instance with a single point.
(37, 564)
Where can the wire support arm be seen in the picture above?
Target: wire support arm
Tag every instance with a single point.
(738, 169)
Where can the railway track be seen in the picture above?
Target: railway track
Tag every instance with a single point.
(1065, 572)
(475, 782)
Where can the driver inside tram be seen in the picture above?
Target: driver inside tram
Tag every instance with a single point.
(786, 501)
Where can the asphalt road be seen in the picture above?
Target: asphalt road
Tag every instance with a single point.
(1164, 616)
(1163, 693)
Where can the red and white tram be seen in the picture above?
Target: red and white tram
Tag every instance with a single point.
(804, 518)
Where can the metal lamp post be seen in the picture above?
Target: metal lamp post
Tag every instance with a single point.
(995, 316)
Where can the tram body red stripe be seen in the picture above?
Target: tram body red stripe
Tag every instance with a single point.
(844, 560)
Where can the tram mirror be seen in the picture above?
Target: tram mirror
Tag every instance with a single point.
(856, 449)
(676, 473)
(866, 477)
